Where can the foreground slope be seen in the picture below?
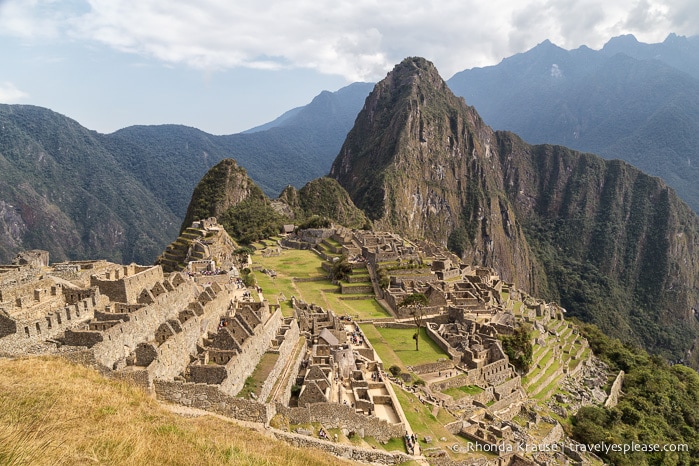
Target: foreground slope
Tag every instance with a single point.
(54, 412)
(616, 246)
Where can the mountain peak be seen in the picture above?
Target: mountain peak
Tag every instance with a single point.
(420, 162)
(620, 44)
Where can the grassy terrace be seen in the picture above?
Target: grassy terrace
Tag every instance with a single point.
(254, 383)
(395, 346)
(460, 392)
(424, 422)
(294, 264)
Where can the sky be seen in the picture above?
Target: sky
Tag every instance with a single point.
(227, 66)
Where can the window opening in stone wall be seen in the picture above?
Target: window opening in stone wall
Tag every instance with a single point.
(38, 328)
(67, 313)
(26, 330)
(58, 318)
(48, 322)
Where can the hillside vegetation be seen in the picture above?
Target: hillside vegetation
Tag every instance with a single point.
(56, 413)
(248, 215)
(660, 405)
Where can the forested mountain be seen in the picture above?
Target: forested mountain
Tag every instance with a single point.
(612, 244)
(291, 150)
(632, 101)
(228, 193)
(122, 196)
(63, 191)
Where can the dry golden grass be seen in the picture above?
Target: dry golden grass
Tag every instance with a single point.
(56, 413)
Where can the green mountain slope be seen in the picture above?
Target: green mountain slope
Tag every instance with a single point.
(616, 246)
(228, 193)
(63, 192)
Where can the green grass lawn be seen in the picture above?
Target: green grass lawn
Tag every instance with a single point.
(381, 347)
(460, 392)
(401, 340)
(293, 263)
(395, 346)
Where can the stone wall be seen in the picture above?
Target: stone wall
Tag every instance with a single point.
(124, 285)
(173, 354)
(286, 350)
(344, 451)
(504, 405)
(434, 367)
(460, 380)
(121, 339)
(21, 333)
(337, 416)
(553, 436)
(210, 398)
(356, 289)
(508, 387)
(615, 391)
(291, 380)
(243, 365)
(442, 343)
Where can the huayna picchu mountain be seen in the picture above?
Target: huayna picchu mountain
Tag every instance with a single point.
(228, 193)
(612, 244)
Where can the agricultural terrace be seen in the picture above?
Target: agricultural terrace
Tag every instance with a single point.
(426, 419)
(299, 273)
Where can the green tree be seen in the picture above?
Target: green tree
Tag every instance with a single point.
(416, 303)
(342, 269)
(518, 348)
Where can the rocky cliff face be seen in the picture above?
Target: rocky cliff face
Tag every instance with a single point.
(618, 246)
(422, 163)
(615, 246)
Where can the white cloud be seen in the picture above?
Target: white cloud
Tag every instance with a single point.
(359, 39)
(9, 94)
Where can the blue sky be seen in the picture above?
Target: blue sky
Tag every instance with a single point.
(224, 66)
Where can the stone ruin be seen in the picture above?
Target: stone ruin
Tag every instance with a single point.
(341, 366)
(230, 354)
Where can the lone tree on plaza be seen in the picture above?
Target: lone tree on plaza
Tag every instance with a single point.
(416, 303)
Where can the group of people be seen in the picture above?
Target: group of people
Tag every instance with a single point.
(356, 337)
(410, 441)
(322, 434)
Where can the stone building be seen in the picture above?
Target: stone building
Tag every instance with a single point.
(230, 355)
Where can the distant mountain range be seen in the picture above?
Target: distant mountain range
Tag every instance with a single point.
(122, 196)
(632, 101)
